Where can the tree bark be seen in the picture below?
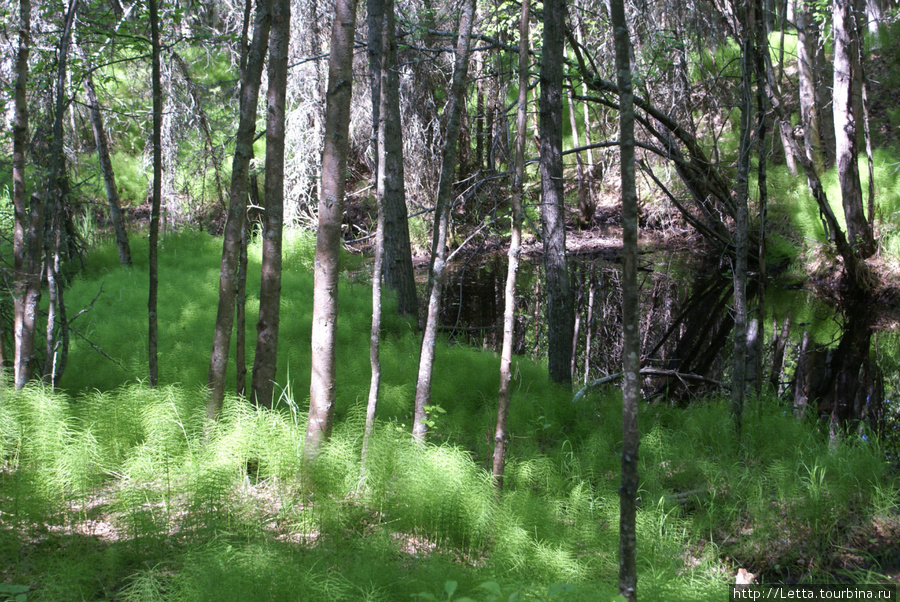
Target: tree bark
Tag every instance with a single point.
(237, 204)
(157, 191)
(846, 64)
(29, 221)
(631, 348)
(264, 364)
(560, 316)
(741, 222)
(106, 168)
(807, 40)
(397, 265)
(501, 433)
(328, 240)
(443, 204)
(57, 194)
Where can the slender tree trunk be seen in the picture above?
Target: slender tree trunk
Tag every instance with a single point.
(781, 340)
(240, 302)
(759, 57)
(374, 25)
(864, 114)
(157, 191)
(501, 433)
(454, 109)
(237, 204)
(328, 240)
(631, 349)
(588, 335)
(846, 59)
(106, 168)
(57, 195)
(741, 222)
(585, 202)
(29, 221)
(560, 315)
(264, 363)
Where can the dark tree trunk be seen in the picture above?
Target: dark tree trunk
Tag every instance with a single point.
(157, 191)
(237, 204)
(328, 240)
(264, 363)
(741, 222)
(29, 221)
(456, 102)
(560, 316)
(397, 263)
(631, 349)
(501, 433)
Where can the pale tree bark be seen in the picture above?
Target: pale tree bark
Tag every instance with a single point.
(863, 114)
(631, 348)
(807, 40)
(501, 433)
(560, 314)
(328, 239)
(57, 194)
(156, 194)
(237, 205)
(106, 168)
(264, 363)
(389, 158)
(585, 202)
(846, 65)
(29, 221)
(455, 103)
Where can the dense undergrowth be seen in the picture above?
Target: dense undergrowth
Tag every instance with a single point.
(109, 488)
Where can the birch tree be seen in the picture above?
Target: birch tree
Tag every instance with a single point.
(443, 204)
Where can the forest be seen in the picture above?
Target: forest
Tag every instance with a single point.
(485, 300)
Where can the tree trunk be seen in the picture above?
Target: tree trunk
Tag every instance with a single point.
(807, 40)
(501, 433)
(106, 168)
(397, 265)
(741, 222)
(237, 203)
(560, 316)
(631, 348)
(846, 64)
(585, 202)
(761, 47)
(328, 240)
(455, 103)
(157, 191)
(781, 340)
(29, 221)
(57, 194)
(264, 363)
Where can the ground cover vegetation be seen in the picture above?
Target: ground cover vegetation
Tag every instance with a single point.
(109, 488)
(277, 157)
